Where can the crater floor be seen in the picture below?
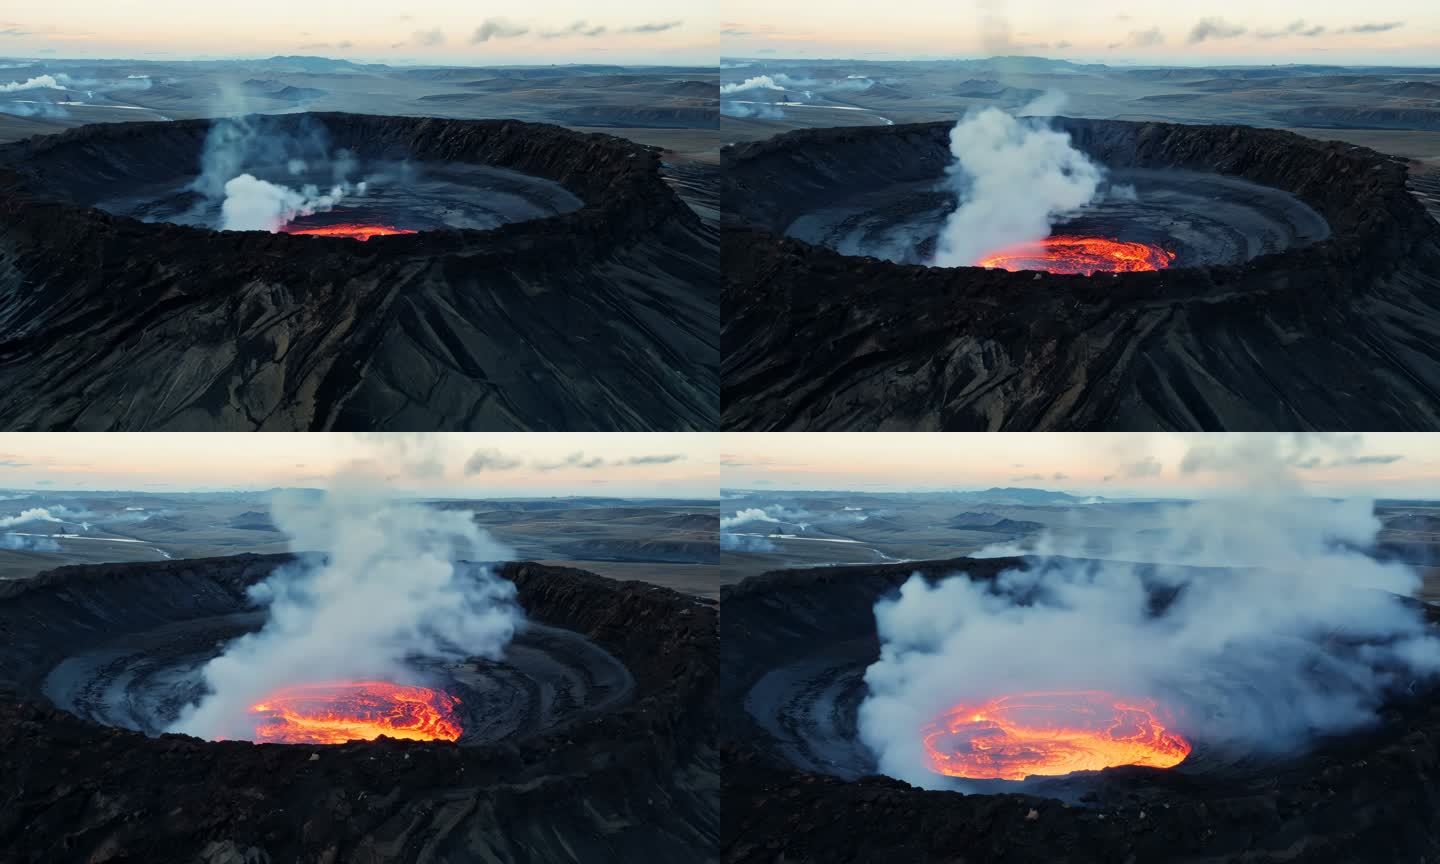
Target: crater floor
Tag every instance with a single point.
(1203, 218)
(143, 680)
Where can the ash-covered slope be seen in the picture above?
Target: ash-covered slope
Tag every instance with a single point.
(639, 782)
(601, 318)
(1369, 798)
(1337, 334)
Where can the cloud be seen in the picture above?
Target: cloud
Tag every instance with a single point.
(16, 32)
(8, 461)
(327, 46)
(1294, 28)
(657, 27)
(1370, 460)
(489, 460)
(1373, 28)
(1026, 478)
(574, 460)
(576, 28)
(1060, 476)
(659, 459)
(1147, 467)
(497, 28)
(1277, 456)
(1214, 28)
(1142, 39)
(734, 31)
(429, 37)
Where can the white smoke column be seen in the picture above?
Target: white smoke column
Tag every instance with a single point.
(773, 513)
(47, 82)
(35, 514)
(1302, 634)
(252, 204)
(389, 591)
(759, 82)
(1014, 177)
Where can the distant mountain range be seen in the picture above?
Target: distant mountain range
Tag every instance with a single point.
(1023, 496)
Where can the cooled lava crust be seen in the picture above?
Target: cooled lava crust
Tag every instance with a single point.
(1373, 797)
(1336, 333)
(601, 318)
(636, 781)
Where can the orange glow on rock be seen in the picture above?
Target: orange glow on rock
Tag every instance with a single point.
(1049, 734)
(350, 230)
(334, 712)
(1079, 255)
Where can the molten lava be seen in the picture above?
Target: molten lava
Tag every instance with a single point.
(1080, 255)
(338, 711)
(354, 231)
(1014, 737)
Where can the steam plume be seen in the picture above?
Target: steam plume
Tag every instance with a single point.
(388, 590)
(47, 82)
(1013, 179)
(252, 204)
(1300, 634)
(34, 514)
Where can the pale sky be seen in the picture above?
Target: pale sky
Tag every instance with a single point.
(1112, 31)
(1105, 464)
(641, 464)
(415, 31)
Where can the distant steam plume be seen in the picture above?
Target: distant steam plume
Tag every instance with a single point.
(40, 82)
(34, 514)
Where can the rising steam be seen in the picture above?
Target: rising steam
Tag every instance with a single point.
(34, 514)
(39, 82)
(389, 589)
(1262, 622)
(252, 204)
(1013, 177)
(237, 141)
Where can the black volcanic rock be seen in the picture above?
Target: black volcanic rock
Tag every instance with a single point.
(1374, 797)
(601, 318)
(637, 783)
(1343, 333)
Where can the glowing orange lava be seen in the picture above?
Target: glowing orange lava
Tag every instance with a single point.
(1080, 255)
(354, 231)
(334, 712)
(1027, 734)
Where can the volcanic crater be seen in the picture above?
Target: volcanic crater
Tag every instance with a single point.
(513, 276)
(802, 786)
(1269, 279)
(592, 740)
